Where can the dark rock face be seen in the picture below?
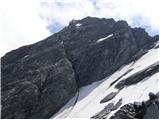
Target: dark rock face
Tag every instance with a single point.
(144, 110)
(93, 61)
(137, 77)
(37, 83)
(18, 98)
(49, 71)
(109, 97)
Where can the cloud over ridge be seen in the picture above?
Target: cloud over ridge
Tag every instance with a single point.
(28, 21)
(138, 13)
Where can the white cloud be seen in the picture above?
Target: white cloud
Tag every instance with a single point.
(20, 24)
(129, 9)
(137, 12)
(26, 21)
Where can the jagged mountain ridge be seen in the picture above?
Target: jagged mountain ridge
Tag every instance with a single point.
(50, 72)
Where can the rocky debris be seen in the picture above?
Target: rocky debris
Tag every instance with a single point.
(65, 60)
(139, 76)
(139, 110)
(107, 110)
(109, 97)
(129, 112)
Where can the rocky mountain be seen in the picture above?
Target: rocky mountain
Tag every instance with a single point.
(88, 69)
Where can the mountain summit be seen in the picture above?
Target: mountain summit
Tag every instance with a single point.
(39, 79)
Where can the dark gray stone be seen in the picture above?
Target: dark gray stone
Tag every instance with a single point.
(109, 97)
(139, 110)
(152, 112)
(103, 114)
(51, 77)
(139, 76)
(152, 96)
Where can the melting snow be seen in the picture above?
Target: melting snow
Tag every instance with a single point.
(88, 100)
(102, 39)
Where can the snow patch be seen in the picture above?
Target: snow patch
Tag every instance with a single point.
(78, 25)
(26, 56)
(102, 39)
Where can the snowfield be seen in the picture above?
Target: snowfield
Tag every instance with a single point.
(86, 103)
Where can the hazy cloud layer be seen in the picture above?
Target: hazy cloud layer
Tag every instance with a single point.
(27, 21)
(20, 24)
(137, 12)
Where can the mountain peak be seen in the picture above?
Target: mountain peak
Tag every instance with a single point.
(42, 77)
(92, 20)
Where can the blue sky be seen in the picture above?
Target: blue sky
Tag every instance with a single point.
(28, 21)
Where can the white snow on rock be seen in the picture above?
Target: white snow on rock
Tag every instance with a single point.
(102, 39)
(88, 100)
(26, 56)
(78, 25)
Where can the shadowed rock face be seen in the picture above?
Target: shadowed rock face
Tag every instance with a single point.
(39, 79)
(38, 82)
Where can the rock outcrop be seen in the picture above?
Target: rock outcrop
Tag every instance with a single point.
(140, 110)
(109, 97)
(139, 76)
(107, 110)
